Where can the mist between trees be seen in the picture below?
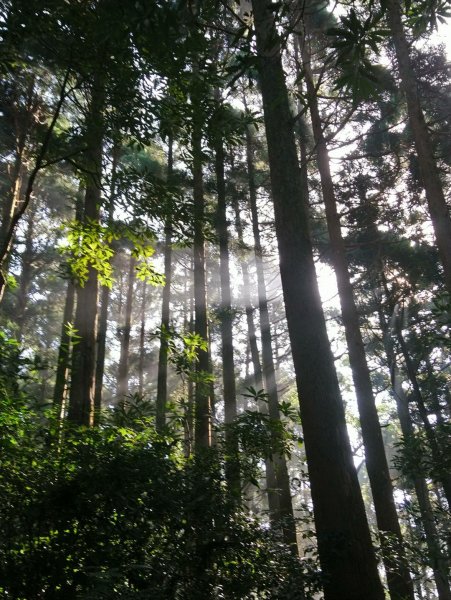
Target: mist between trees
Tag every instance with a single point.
(186, 413)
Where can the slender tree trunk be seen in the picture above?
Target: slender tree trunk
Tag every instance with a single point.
(271, 480)
(101, 351)
(226, 323)
(438, 208)
(142, 339)
(104, 304)
(202, 391)
(162, 382)
(123, 370)
(344, 543)
(398, 576)
(82, 390)
(285, 513)
(63, 362)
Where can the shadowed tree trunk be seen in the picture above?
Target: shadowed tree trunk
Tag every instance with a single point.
(226, 322)
(61, 388)
(82, 389)
(62, 369)
(142, 339)
(438, 208)
(344, 543)
(123, 369)
(398, 576)
(202, 408)
(162, 381)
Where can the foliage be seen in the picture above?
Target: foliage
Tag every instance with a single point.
(90, 245)
(118, 512)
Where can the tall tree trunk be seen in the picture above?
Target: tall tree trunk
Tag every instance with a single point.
(438, 208)
(123, 369)
(271, 480)
(162, 381)
(82, 389)
(202, 407)
(438, 561)
(63, 362)
(142, 339)
(344, 543)
(226, 323)
(61, 389)
(285, 511)
(104, 303)
(398, 576)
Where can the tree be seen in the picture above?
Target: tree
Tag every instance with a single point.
(338, 507)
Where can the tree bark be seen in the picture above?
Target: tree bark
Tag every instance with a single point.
(438, 208)
(63, 362)
(344, 543)
(202, 401)
(226, 324)
(162, 381)
(123, 370)
(82, 389)
(398, 576)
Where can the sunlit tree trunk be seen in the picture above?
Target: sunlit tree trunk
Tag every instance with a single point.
(123, 368)
(162, 382)
(285, 509)
(82, 389)
(438, 208)
(271, 481)
(398, 576)
(344, 543)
